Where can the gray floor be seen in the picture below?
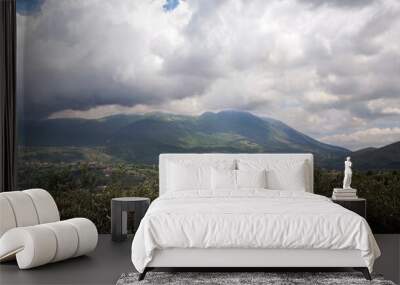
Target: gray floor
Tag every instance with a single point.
(389, 262)
(110, 260)
(104, 266)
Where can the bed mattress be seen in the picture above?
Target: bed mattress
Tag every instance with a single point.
(251, 219)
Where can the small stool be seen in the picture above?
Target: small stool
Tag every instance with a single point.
(119, 215)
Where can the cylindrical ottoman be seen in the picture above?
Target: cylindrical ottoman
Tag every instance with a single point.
(51, 242)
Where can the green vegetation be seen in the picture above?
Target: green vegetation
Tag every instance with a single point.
(85, 189)
(380, 188)
(220, 140)
(64, 154)
(84, 163)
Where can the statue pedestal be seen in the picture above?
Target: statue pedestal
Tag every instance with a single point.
(344, 190)
(345, 194)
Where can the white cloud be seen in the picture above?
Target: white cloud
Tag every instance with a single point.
(321, 97)
(99, 112)
(385, 106)
(372, 137)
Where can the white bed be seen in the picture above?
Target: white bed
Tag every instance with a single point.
(249, 227)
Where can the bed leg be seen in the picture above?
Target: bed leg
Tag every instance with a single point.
(142, 275)
(364, 271)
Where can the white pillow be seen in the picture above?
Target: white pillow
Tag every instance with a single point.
(193, 174)
(223, 179)
(251, 178)
(188, 177)
(287, 175)
(281, 174)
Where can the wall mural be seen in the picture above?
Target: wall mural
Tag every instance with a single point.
(104, 87)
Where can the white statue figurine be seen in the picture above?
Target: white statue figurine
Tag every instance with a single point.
(347, 174)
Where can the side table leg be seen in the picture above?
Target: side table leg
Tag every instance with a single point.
(124, 222)
(116, 221)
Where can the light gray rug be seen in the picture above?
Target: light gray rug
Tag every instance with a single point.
(229, 278)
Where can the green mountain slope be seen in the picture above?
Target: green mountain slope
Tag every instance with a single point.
(227, 131)
(141, 138)
(387, 157)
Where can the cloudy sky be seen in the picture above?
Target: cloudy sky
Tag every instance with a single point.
(329, 68)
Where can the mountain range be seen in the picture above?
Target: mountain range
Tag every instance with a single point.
(141, 138)
(386, 157)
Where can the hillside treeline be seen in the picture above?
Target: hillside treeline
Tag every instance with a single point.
(84, 190)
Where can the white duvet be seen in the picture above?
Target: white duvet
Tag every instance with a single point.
(250, 219)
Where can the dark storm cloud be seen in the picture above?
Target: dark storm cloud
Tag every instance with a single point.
(76, 60)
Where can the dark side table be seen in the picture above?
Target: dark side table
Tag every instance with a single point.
(358, 205)
(119, 215)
